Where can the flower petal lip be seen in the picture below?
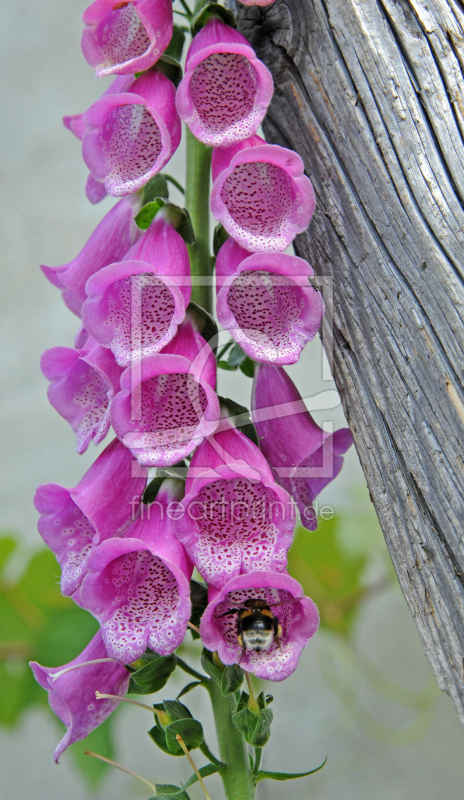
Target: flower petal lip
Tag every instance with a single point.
(263, 325)
(110, 241)
(253, 527)
(299, 620)
(146, 26)
(74, 520)
(267, 174)
(152, 97)
(72, 696)
(136, 305)
(218, 38)
(186, 355)
(304, 458)
(138, 586)
(83, 384)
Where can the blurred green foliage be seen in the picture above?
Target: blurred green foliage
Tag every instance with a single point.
(38, 624)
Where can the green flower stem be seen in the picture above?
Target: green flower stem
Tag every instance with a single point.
(197, 203)
(236, 776)
(258, 754)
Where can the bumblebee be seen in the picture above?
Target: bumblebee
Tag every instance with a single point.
(257, 627)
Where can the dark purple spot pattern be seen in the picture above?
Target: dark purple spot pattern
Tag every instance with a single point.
(235, 525)
(171, 409)
(141, 308)
(223, 88)
(143, 601)
(76, 534)
(91, 395)
(131, 144)
(267, 309)
(259, 197)
(121, 37)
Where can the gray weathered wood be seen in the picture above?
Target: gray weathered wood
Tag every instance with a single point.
(370, 93)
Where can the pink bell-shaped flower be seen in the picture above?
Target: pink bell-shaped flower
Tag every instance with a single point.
(303, 457)
(261, 194)
(224, 94)
(131, 134)
(266, 302)
(168, 404)
(138, 586)
(109, 242)
(237, 518)
(72, 696)
(102, 504)
(135, 306)
(295, 620)
(83, 384)
(123, 38)
(75, 123)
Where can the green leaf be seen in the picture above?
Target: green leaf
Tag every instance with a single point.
(176, 710)
(167, 790)
(236, 356)
(248, 367)
(156, 187)
(199, 600)
(188, 688)
(153, 676)
(232, 679)
(170, 67)
(220, 236)
(286, 776)
(190, 730)
(205, 323)
(147, 214)
(226, 366)
(329, 573)
(212, 669)
(244, 423)
(176, 45)
(208, 769)
(212, 10)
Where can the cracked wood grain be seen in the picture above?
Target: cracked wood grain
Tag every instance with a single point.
(370, 94)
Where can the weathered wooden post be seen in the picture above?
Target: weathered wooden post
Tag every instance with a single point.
(370, 93)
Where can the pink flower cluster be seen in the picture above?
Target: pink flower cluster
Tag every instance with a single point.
(141, 365)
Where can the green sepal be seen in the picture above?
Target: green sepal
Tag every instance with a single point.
(190, 730)
(219, 237)
(151, 492)
(176, 45)
(205, 324)
(286, 776)
(245, 425)
(224, 349)
(183, 227)
(156, 187)
(253, 719)
(207, 12)
(236, 356)
(152, 676)
(170, 67)
(157, 735)
(232, 679)
(210, 667)
(180, 794)
(248, 367)
(226, 366)
(188, 688)
(176, 710)
(199, 601)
